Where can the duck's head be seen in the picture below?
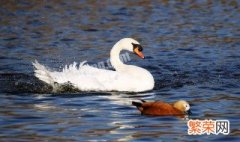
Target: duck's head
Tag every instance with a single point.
(132, 46)
(182, 106)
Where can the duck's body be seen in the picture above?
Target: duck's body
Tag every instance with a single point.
(160, 108)
(86, 78)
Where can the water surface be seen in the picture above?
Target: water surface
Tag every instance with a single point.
(191, 48)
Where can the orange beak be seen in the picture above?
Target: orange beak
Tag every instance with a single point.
(139, 53)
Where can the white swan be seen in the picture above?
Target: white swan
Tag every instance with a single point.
(87, 78)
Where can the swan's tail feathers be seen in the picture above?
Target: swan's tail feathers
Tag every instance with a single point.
(42, 73)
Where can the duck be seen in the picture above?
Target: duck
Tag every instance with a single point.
(124, 78)
(160, 108)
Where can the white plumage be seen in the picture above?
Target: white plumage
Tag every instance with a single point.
(87, 78)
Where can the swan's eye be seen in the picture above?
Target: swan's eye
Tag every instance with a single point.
(138, 46)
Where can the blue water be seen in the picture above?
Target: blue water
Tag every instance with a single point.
(191, 48)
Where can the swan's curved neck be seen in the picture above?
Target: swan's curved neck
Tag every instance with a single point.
(114, 57)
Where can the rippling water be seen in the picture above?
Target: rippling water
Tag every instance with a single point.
(192, 50)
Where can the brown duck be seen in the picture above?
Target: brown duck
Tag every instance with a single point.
(160, 108)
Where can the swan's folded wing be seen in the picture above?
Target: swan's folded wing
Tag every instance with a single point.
(107, 79)
(88, 78)
(102, 75)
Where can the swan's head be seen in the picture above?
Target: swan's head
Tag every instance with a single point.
(132, 46)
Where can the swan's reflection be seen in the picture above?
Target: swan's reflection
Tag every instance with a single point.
(126, 99)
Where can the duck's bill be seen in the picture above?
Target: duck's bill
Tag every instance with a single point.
(189, 112)
(139, 53)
